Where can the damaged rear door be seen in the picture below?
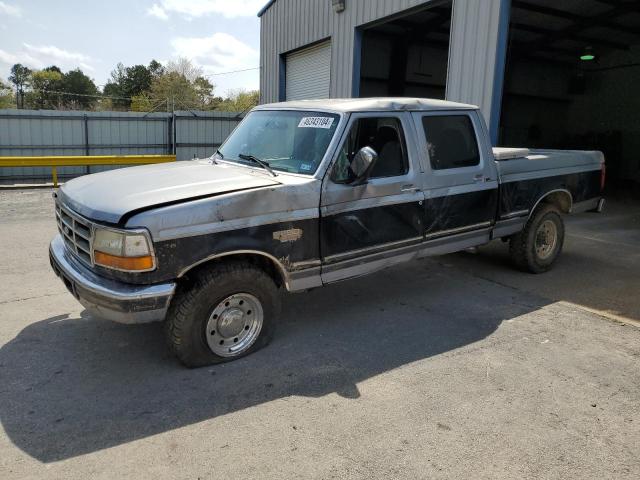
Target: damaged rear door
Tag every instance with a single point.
(461, 182)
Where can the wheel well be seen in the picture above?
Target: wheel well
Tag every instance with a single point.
(559, 198)
(267, 264)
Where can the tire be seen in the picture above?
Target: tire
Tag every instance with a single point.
(215, 317)
(536, 248)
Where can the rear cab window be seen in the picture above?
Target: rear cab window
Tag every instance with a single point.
(451, 141)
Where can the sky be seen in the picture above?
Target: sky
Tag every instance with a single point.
(217, 35)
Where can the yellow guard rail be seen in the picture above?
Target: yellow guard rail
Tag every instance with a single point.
(80, 161)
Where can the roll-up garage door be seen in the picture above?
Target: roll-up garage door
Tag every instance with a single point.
(309, 72)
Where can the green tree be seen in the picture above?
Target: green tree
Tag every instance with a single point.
(240, 101)
(155, 68)
(45, 85)
(6, 96)
(20, 77)
(115, 88)
(175, 91)
(128, 82)
(53, 68)
(141, 103)
(179, 86)
(204, 92)
(137, 80)
(82, 91)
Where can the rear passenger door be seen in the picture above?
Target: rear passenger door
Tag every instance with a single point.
(461, 185)
(364, 225)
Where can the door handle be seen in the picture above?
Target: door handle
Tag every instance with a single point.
(409, 188)
(478, 178)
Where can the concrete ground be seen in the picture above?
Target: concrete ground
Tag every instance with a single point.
(451, 367)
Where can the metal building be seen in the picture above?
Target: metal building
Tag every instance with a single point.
(544, 73)
(294, 33)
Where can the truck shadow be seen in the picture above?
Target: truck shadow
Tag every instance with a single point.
(578, 277)
(597, 269)
(72, 386)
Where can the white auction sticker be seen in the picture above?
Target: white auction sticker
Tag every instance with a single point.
(315, 122)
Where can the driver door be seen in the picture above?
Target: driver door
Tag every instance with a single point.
(366, 227)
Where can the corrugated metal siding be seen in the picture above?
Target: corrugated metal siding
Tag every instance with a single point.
(200, 133)
(472, 53)
(292, 24)
(48, 132)
(308, 72)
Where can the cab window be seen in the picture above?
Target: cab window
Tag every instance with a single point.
(385, 136)
(451, 141)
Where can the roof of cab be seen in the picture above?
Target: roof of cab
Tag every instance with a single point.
(370, 104)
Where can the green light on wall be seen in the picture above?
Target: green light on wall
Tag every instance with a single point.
(587, 55)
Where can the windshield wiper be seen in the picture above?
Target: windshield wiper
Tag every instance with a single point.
(213, 157)
(257, 161)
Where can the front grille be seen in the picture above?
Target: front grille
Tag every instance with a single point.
(76, 232)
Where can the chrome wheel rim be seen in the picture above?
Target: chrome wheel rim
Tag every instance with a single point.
(234, 324)
(546, 239)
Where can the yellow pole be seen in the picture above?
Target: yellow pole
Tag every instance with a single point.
(74, 161)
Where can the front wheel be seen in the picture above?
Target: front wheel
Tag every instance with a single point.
(227, 312)
(537, 246)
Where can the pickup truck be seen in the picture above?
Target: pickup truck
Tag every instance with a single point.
(303, 194)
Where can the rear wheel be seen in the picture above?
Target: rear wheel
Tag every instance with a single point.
(537, 246)
(228, 311)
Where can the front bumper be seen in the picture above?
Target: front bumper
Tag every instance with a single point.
(110, 299)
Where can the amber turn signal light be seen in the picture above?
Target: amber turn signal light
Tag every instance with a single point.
(123, 263)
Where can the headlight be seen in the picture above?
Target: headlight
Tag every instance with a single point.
(122, 250)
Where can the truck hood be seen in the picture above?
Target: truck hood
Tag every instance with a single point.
(108, 196)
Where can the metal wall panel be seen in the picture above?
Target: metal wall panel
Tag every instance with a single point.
(48, 132)
(472, 53)
(291, 24)
(200, 133)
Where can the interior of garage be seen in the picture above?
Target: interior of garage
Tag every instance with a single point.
(407, 55)
(572, 80)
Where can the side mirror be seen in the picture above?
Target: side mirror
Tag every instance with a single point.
(362, 164)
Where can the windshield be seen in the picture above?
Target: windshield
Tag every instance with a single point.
(288, 141)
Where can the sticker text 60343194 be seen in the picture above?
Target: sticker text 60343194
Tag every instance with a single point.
(315, 122)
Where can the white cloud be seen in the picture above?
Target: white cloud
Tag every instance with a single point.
(220, 52)
(86, 67)
(45, 55)
(20, 57)
(157, 11)
(55, 53)
(198, 8)
(11, 10)
(6, 57)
